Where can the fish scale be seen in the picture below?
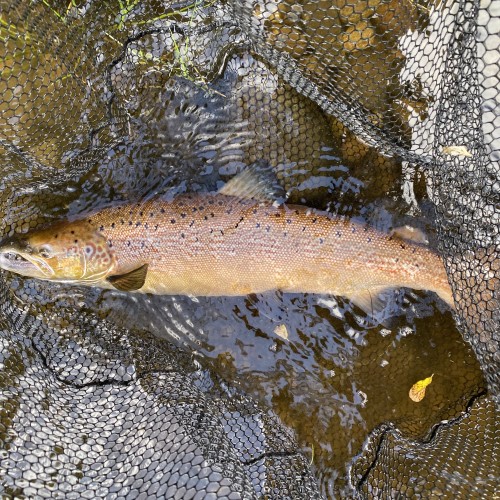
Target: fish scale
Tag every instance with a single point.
(233, 242)
(218, 245)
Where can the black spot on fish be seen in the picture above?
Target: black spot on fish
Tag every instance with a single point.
(402, 246)
(162, 210)
(141, 214)
(339, 234)
(304, 228)
(183, 215)
(113, 225)
(285, 233)
(101, 228)
(210, 202)
(183, 235)
(289, 221)
(417, 265)
(414, 250)
(152, 214)
(195, 209)
(172, 221)
(315, 220)
(129, 222)
(228, 211)
(143, 244)
(202, 207)
(368, 239)
(191, 224)
(212, 214)
(76, 241)
(156, 227)
(56, 236)
(146, 226)
(110, 244)
(321, 241)
(130, 213)
(296, 212)
(277, 215)
(90, 220)
(254, 211)
(122, 221)
(257, 225)
(397, 259)
(268, 228)
(238, 223)
(390, 238)
(206, 217)
(128, 243)
(353, 229)
(221, 203)
(222, 232)
(72, 232)
(138, 223)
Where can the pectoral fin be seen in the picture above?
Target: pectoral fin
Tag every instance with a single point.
(130, 281)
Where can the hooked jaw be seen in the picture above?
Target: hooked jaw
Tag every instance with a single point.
(16, 256)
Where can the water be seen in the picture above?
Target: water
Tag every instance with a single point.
(334, 378)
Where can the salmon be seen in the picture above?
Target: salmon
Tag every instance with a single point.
(233, 242)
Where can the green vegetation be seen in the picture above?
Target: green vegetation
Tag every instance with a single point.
(178, 62)
(182, 58)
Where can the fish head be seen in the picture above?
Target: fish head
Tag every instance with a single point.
(64, 252)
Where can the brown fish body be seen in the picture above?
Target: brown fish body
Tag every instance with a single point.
(209, 245)
(233, 242)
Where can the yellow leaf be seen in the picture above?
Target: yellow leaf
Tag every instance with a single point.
(417, 391)
(282, 331)
(456, 151)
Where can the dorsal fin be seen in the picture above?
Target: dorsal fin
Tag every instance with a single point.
(130, 281)
(410, 233)
(257, 182)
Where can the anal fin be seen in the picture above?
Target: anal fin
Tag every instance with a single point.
(128, 282)
(373, 303)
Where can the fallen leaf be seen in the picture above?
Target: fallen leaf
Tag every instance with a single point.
(456, 151)
(281, 331)
(417, 391)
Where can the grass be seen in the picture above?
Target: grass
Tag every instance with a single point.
(182, 61)
(61, 17)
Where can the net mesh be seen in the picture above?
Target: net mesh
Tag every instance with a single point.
(351, 101)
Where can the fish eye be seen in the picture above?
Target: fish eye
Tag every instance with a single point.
(45, 251)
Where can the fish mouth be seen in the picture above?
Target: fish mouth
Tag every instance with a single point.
(13, 261)
(20, 262)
